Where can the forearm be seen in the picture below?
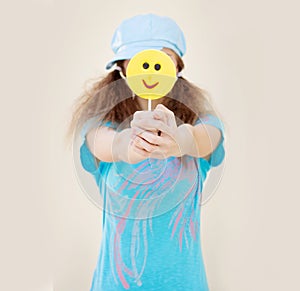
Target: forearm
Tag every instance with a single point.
(197, 141)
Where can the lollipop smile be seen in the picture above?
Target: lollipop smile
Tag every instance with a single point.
(150, 86)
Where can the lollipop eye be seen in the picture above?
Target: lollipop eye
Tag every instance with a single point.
(145, 65)
(157, 67)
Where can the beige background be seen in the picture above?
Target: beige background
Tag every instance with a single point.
(245, 53)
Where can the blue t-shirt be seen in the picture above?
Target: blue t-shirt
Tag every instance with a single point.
(151, 220)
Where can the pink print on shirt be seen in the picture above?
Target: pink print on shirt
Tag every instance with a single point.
(182, 224)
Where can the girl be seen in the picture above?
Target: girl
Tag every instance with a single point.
(149, 166)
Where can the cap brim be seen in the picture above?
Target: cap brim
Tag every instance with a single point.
(128, 52)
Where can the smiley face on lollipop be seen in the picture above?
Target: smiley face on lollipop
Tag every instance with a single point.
(151, 74)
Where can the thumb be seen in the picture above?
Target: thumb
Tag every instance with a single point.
(162, 107)
(169, 114)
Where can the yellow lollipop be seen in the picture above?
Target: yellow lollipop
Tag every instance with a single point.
(151, 74)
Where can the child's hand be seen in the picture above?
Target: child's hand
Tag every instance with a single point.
(161, 119)
(145, 126)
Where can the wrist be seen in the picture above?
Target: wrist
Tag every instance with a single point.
(185, 139)
(117, 155)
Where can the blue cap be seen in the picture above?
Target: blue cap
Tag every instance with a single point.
(146, 31)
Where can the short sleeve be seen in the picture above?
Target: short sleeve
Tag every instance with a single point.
(88, 161)
(217, 156)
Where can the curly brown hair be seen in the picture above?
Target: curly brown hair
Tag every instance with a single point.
(110, 99)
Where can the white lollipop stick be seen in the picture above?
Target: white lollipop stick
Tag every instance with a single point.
(149, 104)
